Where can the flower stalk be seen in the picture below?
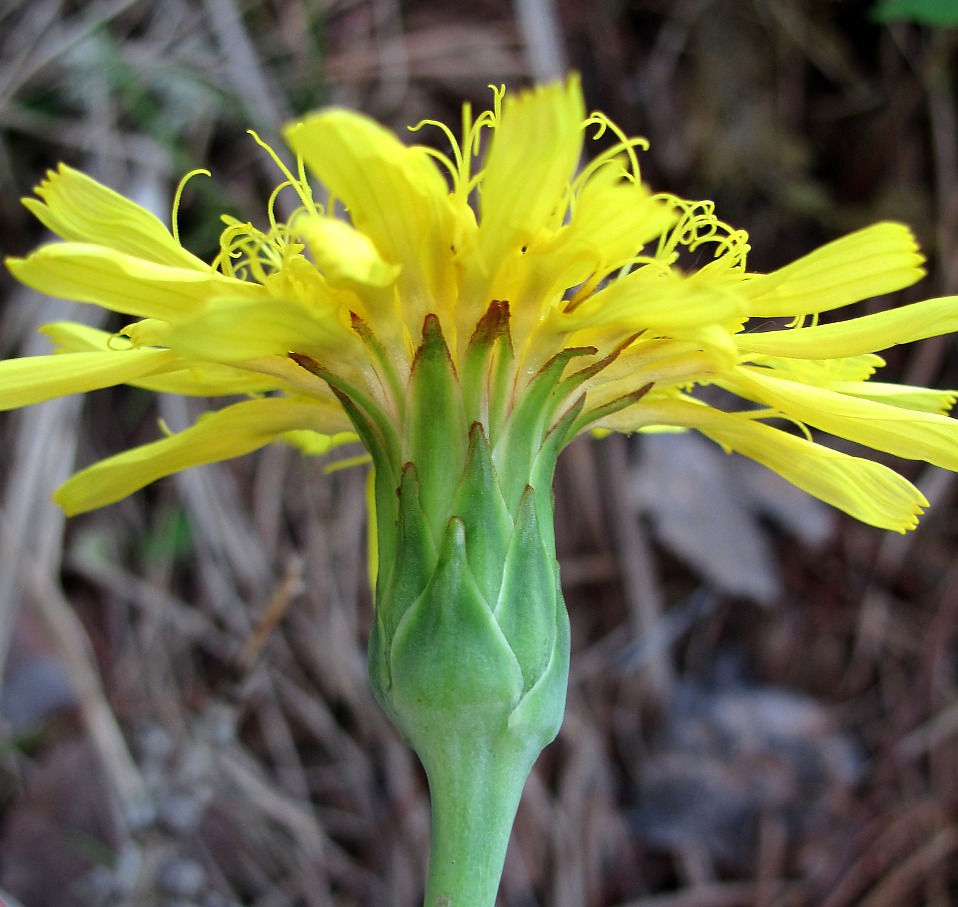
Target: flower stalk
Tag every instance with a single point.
(475, 787)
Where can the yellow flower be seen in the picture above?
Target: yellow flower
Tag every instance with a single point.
(584, 272)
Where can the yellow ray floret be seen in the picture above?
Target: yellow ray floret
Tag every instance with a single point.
(868, 491)
(561, 293)
(79, 209)
(222, 435)
(878, 259)
(123, 283)
(534, 152)
(879, 331)
(36, 378)
(907, 433)
(190, 378)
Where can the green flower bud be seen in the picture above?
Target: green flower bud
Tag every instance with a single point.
(471, 629)
(472, 632)
(469, 653)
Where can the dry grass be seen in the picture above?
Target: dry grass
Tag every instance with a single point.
(188, 719)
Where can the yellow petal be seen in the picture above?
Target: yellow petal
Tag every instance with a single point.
(870, 333)
(35, 378)
(875, 260)
(73, 337)
(823, 372)
(868, 491)
(664, 364)
(922, 399)
(191, 379)
(611, 221)
(534, 152)
(208, 379)
(344, 255)
(911, 434)
(221, 435)
(615, 217)
(227, 330)
(650, 299)
(122, 283)
(394, 194)
(79, 209)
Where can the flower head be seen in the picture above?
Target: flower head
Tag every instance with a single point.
(562, 296)
(465, 321)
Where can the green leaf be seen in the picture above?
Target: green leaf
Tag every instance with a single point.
(940, 13)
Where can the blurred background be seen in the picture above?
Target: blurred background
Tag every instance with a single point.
(763, 705)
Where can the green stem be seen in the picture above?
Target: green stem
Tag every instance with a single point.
(475, 789)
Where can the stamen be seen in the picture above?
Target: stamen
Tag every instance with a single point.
(304, 182)
(300, 186)
(626, 144)
(455, 169)
(228, 237)
(472, 137)
(178, 195)
(450, 167)
(248, 253)
(498, 93)
(271, 203)
(697, 225)
(442, 127)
